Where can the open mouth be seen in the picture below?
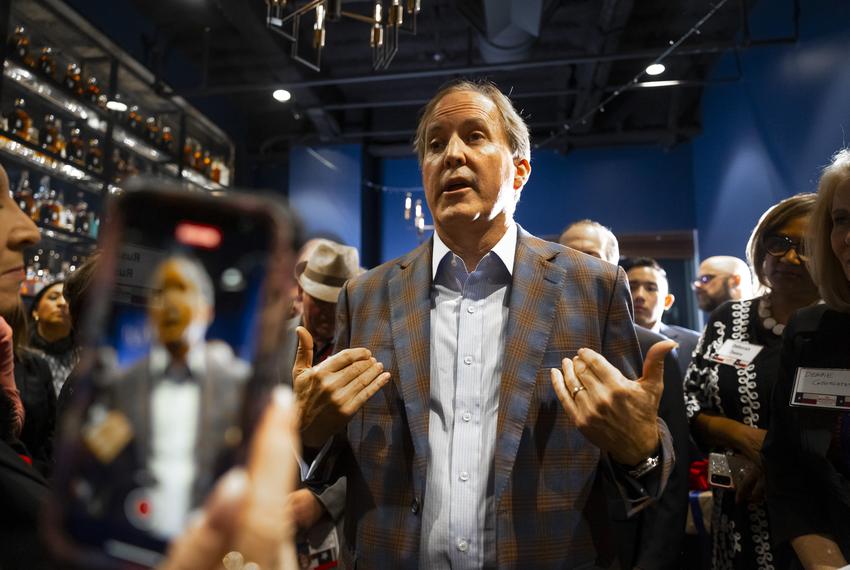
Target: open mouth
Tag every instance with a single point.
(456, 185)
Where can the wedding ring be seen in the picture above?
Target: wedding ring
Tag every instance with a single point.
(578, 389)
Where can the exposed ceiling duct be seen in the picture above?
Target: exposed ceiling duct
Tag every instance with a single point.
(506, 29)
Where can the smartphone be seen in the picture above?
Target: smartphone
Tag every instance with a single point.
(190, 297)
(727, 470)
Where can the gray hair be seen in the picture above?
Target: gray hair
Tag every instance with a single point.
(516, 131)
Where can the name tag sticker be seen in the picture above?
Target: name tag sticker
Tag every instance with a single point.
(822, 388)
(736, 353)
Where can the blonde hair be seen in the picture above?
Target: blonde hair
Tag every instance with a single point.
(516, 131)
(797, 206)
(825, 269)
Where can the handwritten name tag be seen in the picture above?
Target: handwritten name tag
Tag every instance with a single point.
(736, 353)
(822, 388)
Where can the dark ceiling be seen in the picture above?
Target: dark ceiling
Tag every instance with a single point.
(558, 59)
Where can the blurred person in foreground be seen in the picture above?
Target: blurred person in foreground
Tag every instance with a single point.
(653, 539)
(32, 395)
(51, 333)
(807, 449)
(722, 278)
(728, 395)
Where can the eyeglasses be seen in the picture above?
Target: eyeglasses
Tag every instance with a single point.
(778, 246)
(704, 280)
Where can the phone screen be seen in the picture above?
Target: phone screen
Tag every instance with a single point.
(174, 341)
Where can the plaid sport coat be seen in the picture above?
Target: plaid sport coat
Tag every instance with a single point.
(551, 510)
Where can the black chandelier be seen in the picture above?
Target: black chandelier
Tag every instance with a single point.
(285, 18)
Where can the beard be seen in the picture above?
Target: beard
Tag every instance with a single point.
(711, 302)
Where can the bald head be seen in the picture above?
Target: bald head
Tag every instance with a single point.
(592, 238)
(722, 278)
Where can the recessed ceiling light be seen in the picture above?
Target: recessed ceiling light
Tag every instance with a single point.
(655, 69)
(116, 106)
(282, 95)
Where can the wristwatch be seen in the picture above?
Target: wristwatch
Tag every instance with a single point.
(644, 467)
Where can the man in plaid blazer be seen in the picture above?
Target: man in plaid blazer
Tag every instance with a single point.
(572, 438)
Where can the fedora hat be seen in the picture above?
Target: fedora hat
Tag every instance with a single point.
(327, 269)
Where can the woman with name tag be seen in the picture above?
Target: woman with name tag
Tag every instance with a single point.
(732, 374)
(807, 449)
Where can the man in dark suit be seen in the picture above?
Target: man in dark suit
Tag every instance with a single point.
(654, 539)
(651, 296)
(507, 367)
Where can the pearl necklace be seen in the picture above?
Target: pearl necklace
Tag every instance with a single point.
(767, 319)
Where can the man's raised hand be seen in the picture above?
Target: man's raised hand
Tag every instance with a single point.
(329, 394)
(616, 414)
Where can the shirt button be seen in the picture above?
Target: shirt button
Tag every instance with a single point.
(464, 476)
(470, 309)
(462, 545)
(467, 360)
(466, 416)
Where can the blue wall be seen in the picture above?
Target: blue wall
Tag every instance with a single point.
(324, 189)
(628, 189)
(767, 136)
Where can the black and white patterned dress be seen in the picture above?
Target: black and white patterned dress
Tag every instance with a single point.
(741, 534)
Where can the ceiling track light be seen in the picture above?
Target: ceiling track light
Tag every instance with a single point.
(284, 18)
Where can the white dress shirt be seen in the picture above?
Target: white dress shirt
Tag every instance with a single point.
(469, 315)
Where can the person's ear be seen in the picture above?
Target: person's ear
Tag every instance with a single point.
(736, 280)
(523, 171)
(669, 299)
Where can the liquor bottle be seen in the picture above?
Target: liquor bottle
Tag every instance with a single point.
(198, 158)
(44, 201)
(47, 63)
(23, 194)
(81, 216)
(92, 90)
(73, 81)
(206, 165)
(20, 47)
(94, 159)
(61, 144)
(77, 147)
(57, 210)
(49, 134)
(151, 130)
(94, 225)
(19, 120)
(134, 119)
(215, 170)
(166, 141)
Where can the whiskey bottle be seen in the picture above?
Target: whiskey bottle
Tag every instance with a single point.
(19, 120)
(73, 81)
(206, 165)
(57, 210)
(134, 119)
(215, 170)
(49, 134)
(45, 198)
(151, 130)
(81, 216)
(166, 141)
(77, 147)
(19, 45)
(94, 159)
(47, 63)
(23, 194)
(92, 90)
(198, 158)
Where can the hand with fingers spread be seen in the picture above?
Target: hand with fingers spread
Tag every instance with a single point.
(329, 394)
(616, 414)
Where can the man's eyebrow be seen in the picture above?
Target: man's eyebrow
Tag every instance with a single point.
(437, 126)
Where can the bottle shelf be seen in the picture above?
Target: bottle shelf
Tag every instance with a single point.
(48, 163)
(96, 120)
(65, 236)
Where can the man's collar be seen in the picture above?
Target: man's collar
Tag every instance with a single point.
(505, 249)
(160, 360)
